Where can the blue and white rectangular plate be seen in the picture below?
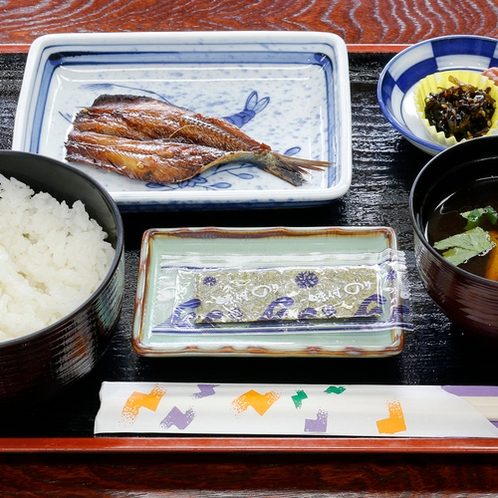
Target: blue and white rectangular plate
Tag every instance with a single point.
(167, 304)
(289, 90)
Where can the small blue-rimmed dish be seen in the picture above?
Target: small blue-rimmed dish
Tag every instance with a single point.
(288, 90)
(167, 303)
(399, 79)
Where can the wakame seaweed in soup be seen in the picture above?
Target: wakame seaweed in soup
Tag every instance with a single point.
(464, 228)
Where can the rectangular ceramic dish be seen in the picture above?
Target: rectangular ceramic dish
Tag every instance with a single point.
(165, 321)
(289, 90)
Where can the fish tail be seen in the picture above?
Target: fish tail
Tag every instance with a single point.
(292, 169)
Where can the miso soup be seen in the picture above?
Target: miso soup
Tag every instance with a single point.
(447, 220)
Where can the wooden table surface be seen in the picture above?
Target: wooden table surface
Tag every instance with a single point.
(364, 25)
(356, 21)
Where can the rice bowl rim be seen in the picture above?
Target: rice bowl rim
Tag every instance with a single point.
(113, 268)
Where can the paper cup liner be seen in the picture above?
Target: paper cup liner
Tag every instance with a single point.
(436, 82)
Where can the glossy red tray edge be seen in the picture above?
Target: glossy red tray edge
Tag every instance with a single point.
(353, 48)
(14, 48)
(249, 445)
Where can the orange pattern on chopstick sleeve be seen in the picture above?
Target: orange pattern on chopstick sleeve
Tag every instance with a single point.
(260, 402)
(138, 400)
(395, 422)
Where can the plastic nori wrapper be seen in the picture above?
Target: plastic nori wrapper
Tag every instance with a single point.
(240, 294)
(285, 294)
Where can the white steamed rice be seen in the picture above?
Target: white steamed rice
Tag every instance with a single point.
(52, 258)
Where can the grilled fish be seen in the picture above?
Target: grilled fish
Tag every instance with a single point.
(154, 141)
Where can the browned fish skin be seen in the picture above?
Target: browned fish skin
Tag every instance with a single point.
(157, 161)
(146, 118)
(151, 140)
(163, 161)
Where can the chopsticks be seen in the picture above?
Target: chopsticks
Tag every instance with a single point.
(487, 405)
(482, 398)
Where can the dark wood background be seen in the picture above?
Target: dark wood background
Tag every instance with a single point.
(384, 167)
